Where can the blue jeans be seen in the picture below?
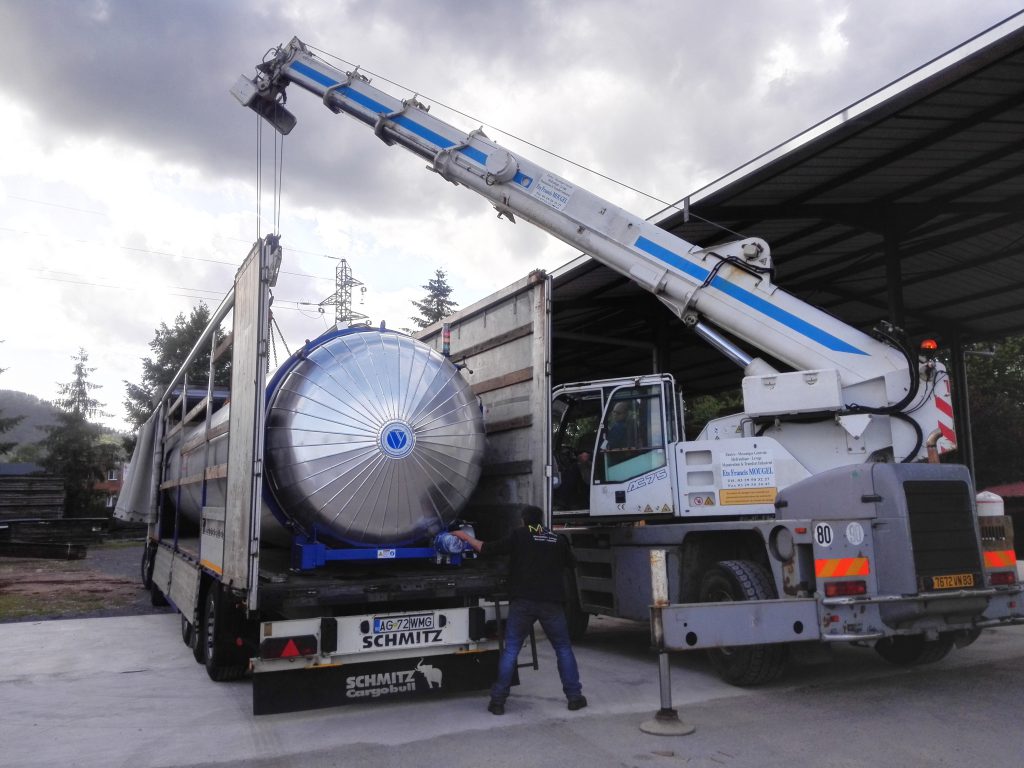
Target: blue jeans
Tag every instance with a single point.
(521, 615)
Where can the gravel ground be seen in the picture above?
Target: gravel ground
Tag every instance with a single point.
(107, 582)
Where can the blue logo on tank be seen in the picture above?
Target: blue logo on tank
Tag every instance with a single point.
(396, 439)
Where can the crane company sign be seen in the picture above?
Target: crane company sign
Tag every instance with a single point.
(748, 477)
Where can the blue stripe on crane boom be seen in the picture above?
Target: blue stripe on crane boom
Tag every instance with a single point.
(753, 301)
(661, 253)
(375, 106)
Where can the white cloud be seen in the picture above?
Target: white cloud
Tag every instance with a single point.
(127, 171)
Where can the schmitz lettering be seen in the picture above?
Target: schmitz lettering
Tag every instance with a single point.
(395, 639)
(380, 684)
(389, 683)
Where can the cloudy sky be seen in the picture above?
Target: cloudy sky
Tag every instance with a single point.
(128, 173)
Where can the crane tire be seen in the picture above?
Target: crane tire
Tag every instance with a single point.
(749, 664)
(914, 650)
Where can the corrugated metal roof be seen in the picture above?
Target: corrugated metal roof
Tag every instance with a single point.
(920, 185)
(930, 167)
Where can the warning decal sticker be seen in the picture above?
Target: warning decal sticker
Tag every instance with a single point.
(748, 477)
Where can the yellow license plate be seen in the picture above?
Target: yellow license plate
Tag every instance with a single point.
(955, 581)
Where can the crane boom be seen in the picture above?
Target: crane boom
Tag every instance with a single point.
(726, 287)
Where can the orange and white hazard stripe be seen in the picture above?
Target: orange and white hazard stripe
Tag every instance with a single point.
(944, 414)
(841, 566)
(1005, 558)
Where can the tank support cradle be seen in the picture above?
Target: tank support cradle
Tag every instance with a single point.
(308, 554)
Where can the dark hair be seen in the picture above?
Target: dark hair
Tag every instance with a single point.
(533, 515)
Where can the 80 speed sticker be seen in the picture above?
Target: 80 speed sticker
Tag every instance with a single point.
(824, 537)
(823, 534)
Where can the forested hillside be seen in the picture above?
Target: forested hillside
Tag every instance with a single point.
(38, 414)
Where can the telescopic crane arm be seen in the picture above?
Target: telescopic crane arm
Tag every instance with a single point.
(728, 287)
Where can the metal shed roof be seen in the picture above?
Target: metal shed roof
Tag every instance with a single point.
(907, 206)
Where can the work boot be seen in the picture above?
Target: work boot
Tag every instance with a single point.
(577, 702)
(498, 707)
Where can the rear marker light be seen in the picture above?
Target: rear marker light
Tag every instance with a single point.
(845, 588)
(288, 647)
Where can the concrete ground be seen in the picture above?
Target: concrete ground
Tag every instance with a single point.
(125, 691)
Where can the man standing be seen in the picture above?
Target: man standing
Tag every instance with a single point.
(537, 561)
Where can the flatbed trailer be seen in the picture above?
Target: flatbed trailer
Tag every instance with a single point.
(311, 636)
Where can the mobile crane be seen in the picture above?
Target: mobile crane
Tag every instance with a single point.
(807, 517)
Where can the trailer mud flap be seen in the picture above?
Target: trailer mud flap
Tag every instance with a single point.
(748, 622)
(318, 687)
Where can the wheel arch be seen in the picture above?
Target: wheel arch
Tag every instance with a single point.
(703, 550)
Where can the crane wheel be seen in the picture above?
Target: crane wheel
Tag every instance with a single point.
(746, 665)
(914, 650)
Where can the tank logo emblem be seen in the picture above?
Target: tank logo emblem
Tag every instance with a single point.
(397, 440)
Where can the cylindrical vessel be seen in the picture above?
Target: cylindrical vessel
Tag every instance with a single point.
(372, 439)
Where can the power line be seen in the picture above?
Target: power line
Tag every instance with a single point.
(680, 205)
(168, 290)
(82, 241)
(290, 249)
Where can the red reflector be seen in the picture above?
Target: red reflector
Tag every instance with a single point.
(1000, 578)
(800, 530)
(845, 588)
(288, 647)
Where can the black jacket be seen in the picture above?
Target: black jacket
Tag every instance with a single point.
(537, 562)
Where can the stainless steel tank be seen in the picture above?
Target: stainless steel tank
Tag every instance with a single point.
(372, 438)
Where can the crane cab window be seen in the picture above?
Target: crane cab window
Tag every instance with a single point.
(575, 421)
(632, 435)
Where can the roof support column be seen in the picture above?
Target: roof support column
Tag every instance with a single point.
(961, 405)
(893, 275)
(662, 342)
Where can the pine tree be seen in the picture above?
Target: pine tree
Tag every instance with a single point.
(73, 446)
(436, 305)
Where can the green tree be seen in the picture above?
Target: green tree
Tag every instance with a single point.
(171, 346)
(703, 408)
(996, 396)
(73, 445)
(437, 304)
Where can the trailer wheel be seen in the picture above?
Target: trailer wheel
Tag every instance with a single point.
(914, 650)
(749, 664)
(147, 566)
(220, 659)
(198, 644)
(187, 635)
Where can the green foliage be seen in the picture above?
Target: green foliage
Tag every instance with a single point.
(75, 450)
(75, 396)
(996, 398)
(703, 408)
(171, 346)
(437, 304)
